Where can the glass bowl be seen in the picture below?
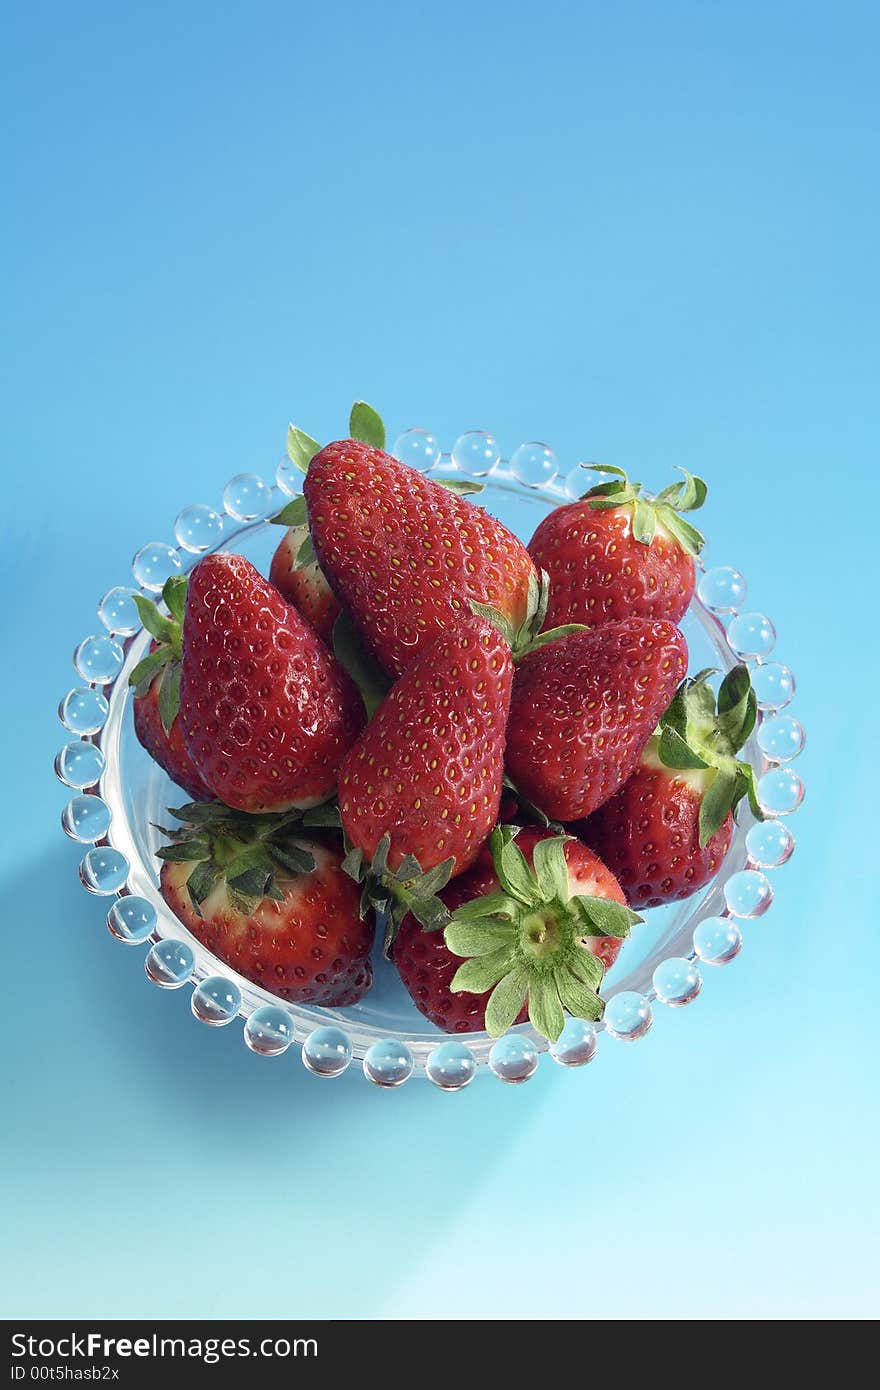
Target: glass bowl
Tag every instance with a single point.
(118, 793)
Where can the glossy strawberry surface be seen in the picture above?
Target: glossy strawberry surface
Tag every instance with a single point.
(305, 586)
(166, 748)
(583, 709)
(600, 573)
(648, 833)
(310, 947)
(428, 769)
(267, 713)
(405, 554)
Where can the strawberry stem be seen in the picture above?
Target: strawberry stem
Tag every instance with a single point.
(647, 513)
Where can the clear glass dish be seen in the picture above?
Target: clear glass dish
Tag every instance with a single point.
(118, 792)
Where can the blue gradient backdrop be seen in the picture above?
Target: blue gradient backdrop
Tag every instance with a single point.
(647, 233)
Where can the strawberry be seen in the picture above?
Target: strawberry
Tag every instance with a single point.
(269, 899)
(616, 554)
(267, 713)
(668, 828)
(584, 707)
(419, 791)
(404, 553)
(297, 575)
(156, 682)
(538, 917)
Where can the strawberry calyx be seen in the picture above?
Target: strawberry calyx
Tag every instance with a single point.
(700, 735)
(392, 893)
(166, 629)
(528, 637)
(525, 942)
(647, 513)
(249, 853)
(365, 425)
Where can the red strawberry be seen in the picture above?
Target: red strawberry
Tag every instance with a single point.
(583, 709)
(297, 575)
(616, 554)
(668, 828)
(405, 554)
(269, 900)
(538, 913)
(156, 680)
(267, 713)
(420, 789)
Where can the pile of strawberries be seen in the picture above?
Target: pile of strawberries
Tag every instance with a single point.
(491, 750)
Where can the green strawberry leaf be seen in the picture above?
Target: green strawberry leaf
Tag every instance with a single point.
(202, 881)
(293, 857)
(735, 725)
(351, 653)
(538, 600)
(701, 719)
(379, 866)
(160, 627)
(551, 870)
(434, 880)
(689, 538)
(589, 969)
(145, 671)
(353, 864)
(366, 425)
(182, 851)
(613, 488)
(409, 867)
(174, 594)
(253, 883)
(556, 634)
(293, 514)
(370, 901)
(490, 905)
(748, 786)
(305, 555)
(479, 973)
(673, 751)
(301, 448)
(675, 715)
(505, 1001)
(605, 468)
(511, 866)
(693, 493)
(606, 918)
(498, 620)
(203, 812)
(545, 1010)
(717, 801)
(249, 858)
(169, 695)
(734, 689)
(580, 1000)
(644, 522)
(611, 492)
(463, 486)
(477, 938)
(431, 913)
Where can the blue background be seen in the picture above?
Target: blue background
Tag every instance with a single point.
(647, 233)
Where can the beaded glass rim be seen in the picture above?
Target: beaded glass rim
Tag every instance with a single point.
(709, 926)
